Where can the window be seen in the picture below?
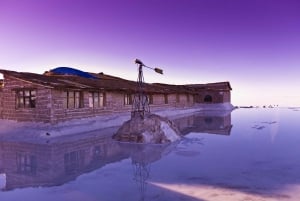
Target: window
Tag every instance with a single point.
(97, 153)
(150, 98)
(74, 161)
(96, 99)
(2, 181)
(72, 99)
(26, 164)
(177, 98)
(166, 98)
(25, 98)
(188, 98)
(208, 99)
(208, 120)
(127, 99)
(193, 98)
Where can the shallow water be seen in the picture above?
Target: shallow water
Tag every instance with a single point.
(249, 154)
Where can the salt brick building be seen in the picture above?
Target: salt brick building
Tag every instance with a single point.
(51, 97)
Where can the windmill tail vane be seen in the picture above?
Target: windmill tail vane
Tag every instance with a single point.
(158, 70)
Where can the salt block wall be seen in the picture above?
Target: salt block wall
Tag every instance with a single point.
(217, 96)
(114, 103)
(1, 102)
(50, 108)
(43, 99)
(226, 97)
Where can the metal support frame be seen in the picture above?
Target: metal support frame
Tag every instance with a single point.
(140, 106)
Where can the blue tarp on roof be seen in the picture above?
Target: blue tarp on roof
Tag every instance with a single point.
(71, 71)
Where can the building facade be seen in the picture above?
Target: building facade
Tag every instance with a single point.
(56, 97)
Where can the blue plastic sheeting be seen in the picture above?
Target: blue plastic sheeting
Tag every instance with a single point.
(72, 71)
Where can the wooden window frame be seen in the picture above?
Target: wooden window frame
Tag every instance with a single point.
(128, 99)
(177, 98)
(74, 161)
(97, 99)
(188, 98)
(73, 99)
(166, 99)
(208, 98)
(150, 98)
(26, 163)
(26, 98)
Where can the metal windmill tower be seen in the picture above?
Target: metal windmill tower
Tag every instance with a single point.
(140, 106)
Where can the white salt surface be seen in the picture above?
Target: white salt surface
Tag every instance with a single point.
(169, 132)
(34, 129)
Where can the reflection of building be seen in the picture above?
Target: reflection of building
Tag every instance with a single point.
(214, 122)
(64, 158)
(28, 164)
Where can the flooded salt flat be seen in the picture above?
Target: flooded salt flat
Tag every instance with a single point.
(248, 154)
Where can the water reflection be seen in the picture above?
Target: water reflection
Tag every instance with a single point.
(246, 164)
(60, 160)
(49, 164)
(142, 156)
(213, 122)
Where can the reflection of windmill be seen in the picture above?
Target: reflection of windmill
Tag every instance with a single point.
(142, 156)
(141, 174)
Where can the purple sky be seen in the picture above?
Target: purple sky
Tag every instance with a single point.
(254, 44)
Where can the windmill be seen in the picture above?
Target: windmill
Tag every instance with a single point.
(140, 106)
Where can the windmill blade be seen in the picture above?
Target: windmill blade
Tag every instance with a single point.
(158, 70)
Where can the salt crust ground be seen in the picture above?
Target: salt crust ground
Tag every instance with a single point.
(33, 130)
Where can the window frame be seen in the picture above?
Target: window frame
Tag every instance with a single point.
(73, 99)
(188, 100)
(177, 98)
(74, 161)
(99, 96)
(166, 99)
(208, 98)
(26, 98)
(128, 100)
(26, 163)
(151, 99)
